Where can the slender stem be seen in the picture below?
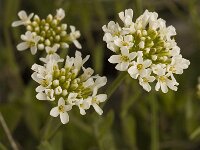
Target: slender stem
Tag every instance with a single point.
(7, 131)
(154, 125)
(111, 89)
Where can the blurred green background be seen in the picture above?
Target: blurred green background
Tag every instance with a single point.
(127, 118)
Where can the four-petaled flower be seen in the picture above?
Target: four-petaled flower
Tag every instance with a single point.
(25, 19)
(61, 110)
(31, 41)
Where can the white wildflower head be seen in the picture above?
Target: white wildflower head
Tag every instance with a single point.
(146, 49)
(70, 85)
(50, 30)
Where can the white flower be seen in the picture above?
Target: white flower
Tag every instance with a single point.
(113, 28)
(164, 82)
(51, 54)
(78, 61)
(95, 99)
(73, 37)
(126, 17)
(178, 64)
(25, 19)
(124, 42)
(83, 105)
(31, 42)
(139, 67)
(60, 14)
(145, 79)
(61, 110)
(123, 60)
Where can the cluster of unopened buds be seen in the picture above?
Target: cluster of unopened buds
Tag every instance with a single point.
(146, 49)
(66, 86)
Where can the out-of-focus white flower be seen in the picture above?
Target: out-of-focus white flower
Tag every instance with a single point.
(74, 35)
(50, 30)
(154, 44)
(61, 110)
(123, 60)
(126, 17)
(25, 19)
(60, 14)
(30, 42)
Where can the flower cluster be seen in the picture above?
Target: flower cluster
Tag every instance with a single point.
(66, 86)
(41, 33)
(70, 85)
(146, 49)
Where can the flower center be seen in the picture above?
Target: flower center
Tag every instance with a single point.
(139, 66)
(125, 58)
(125, 43)
(145, 79)
(44, 83)
(162, 78)
(61, 108)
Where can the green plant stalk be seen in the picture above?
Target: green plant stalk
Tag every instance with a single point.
(154, 125)
(8, 134)
(115, 84)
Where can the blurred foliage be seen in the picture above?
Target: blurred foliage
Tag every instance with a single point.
(125, 124)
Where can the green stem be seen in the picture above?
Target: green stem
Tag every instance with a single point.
(115, 84)
(154, 125)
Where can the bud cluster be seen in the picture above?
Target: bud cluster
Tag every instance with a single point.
(146, 49)
(41, 33)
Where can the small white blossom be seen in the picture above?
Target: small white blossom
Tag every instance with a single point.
(25, 19)
(145, 79)
(31, 42)
(123, 60)
(95, 100)
(124, 42)
(73, 37)
(139, 67)
(126, 17)
(164, 82)
(60, 14)
(61, 110)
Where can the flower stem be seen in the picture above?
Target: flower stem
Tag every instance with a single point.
(7, 131)
(154, 125)
(115, 84)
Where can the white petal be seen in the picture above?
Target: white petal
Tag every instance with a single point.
(61, 101)
(22, 46)
(77, 44)
(54, 112)
(22, 15)
(68, 107)
(33, 50)
(17, 23)
(98, 109)
(124, 51)
(101, 97)
(41, 96)
(64, 117)
(157, 87)
(147, 63)
(164, 88)
(82, 111)
(40, 88)
(132, 55)
(115, 59)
